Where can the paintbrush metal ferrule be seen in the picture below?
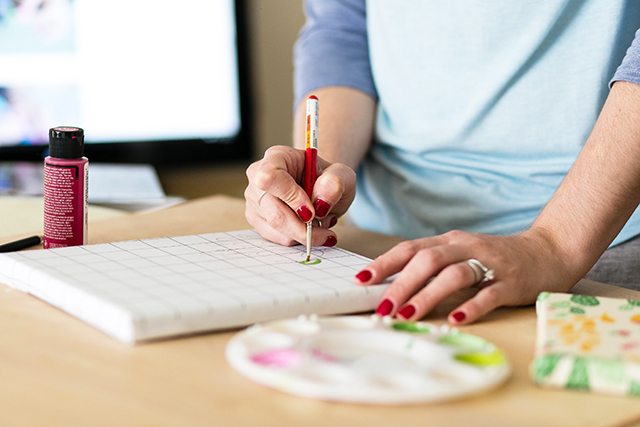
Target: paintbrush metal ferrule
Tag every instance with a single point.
(309, 231)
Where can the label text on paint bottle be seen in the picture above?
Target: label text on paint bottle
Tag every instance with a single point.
(64, 205)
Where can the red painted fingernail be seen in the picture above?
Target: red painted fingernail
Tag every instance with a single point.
(321, 207)
(304, 213)
(364, 276)
(459, 316)
(333, 221)
(407, 311)
(331, 241)
(385, 307)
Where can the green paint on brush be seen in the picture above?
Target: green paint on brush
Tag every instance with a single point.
(313, 261)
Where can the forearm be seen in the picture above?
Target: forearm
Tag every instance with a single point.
(602, 189)
(345, 128)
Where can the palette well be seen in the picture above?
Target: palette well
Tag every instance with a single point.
(367, 359)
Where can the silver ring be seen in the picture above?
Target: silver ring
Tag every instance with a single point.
(481, 272)
(262, 194)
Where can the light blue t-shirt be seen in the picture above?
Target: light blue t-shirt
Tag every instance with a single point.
(483, 106)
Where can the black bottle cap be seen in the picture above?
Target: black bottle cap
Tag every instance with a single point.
(66, 142)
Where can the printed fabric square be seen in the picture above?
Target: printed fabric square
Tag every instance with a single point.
(588, 343)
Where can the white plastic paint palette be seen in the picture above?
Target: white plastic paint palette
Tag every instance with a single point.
(367, 359)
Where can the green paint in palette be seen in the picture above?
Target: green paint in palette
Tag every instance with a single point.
(410, 327)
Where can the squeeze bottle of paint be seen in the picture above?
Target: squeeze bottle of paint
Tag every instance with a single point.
(65, 189)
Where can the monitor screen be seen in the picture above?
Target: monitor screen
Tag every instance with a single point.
(148, 80)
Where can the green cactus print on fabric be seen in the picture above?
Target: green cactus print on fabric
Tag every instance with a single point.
(580, 300)
(585, 300)
(579, 377)
(543, 296)
(588, 343)
(611, 370)
(561, 304)
(545, 365)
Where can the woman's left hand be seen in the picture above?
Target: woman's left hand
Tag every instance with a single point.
(433, 268)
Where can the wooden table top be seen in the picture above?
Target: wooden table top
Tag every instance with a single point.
(56, 370)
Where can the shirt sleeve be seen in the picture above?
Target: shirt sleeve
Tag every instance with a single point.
(332, 48)
(629, 69)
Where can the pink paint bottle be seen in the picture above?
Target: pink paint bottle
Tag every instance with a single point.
(65, 189)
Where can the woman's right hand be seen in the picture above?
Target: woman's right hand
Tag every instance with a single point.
(278, 208)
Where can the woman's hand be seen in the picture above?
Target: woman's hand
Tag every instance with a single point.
(278, 208)
(433, 268)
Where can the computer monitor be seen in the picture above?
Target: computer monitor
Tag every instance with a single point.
(149, 81)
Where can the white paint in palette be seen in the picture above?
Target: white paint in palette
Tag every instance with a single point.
(380, 359)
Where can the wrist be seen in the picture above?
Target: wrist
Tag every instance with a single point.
(560, 255)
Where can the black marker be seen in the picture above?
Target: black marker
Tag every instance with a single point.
(18, 245)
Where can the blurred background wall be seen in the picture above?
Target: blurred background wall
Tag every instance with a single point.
(273, 26)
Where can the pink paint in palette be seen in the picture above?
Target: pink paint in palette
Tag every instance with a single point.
(367, 359)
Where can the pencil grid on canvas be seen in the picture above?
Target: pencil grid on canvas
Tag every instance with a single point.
(175, 279)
